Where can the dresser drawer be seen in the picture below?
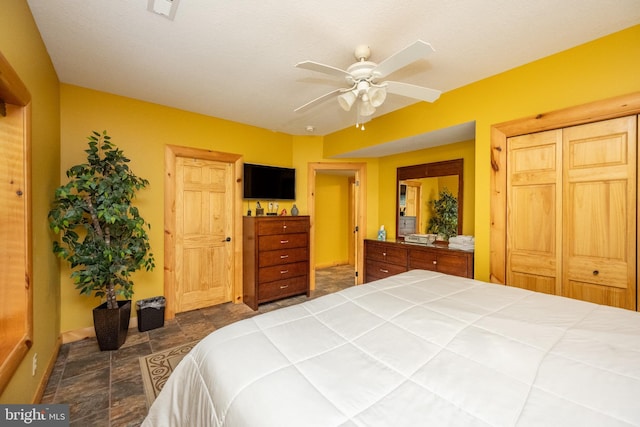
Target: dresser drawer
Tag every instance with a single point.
(283, 241)
(285, 271)
(275, 252)
(383, 259)
(379, 270)
(452, 264)
(282, 226)
(284, 256)
(442, 261)
(282, 288)
(386, 253)
(423, 260)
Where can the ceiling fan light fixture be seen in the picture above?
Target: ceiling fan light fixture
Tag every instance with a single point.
(365, 108)
(361, 120)
(362, 76)
(377, 95)
(346, 100)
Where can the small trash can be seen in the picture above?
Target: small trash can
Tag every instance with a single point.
(150, 313)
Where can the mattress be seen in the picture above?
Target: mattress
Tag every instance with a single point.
(419, 348)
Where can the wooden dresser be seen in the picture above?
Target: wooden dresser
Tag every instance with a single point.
(386, 258)
(276, 258)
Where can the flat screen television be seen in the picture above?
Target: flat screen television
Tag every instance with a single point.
(269, 182)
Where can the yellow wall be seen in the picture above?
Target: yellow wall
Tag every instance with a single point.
(388, 165)
(21, 44)
(142, 130)
(600, 69)
(332, 220)
(307, 149)
(64, 115)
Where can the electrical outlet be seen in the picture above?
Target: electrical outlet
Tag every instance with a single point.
(34, 365)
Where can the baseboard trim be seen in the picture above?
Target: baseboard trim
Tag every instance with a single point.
(51, 363)
(80, 334)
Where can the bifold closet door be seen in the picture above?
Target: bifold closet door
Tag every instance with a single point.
(599, 180)
(534, 212)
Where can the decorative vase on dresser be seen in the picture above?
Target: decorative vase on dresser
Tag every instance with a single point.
(276, 258)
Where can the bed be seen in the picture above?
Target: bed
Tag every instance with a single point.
(418, 348)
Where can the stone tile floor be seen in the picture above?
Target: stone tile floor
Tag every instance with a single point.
(105, 388)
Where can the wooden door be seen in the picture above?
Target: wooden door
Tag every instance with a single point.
(354, 214)
(413, 200)
(204, 221)
(353, 233)
(600, 212)
(534, 212)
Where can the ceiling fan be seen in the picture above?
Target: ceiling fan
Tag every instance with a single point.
(363, 76)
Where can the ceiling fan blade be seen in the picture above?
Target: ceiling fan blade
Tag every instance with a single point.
(322, 68)
(406, 56)
(318, 100)
(412, 91)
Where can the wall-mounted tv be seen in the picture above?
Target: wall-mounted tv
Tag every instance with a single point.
(269, 182)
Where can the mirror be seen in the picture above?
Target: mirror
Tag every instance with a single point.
(417, 185)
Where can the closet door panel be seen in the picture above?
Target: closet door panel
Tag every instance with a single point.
(534, 208)
(600, 212)
(534, 282)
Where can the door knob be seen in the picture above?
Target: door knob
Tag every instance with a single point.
(228, 239)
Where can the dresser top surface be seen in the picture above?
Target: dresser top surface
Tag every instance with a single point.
(439, 246)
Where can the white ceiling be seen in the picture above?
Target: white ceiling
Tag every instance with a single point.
(234, 59)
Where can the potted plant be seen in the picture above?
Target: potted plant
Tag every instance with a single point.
(102, 235)
(444, 221)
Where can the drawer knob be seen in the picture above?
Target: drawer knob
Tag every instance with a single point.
(284, 227)
(596, 272)
(284, 241)
(284, 286)
(384, 254)
(435, 262)
(284, 256)
(384, 271)
(284, 271)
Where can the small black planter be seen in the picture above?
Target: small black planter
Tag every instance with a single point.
(112, 325)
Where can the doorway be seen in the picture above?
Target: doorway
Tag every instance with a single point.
(203, 236)
(357, 208)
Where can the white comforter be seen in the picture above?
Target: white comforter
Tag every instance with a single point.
(416, 349)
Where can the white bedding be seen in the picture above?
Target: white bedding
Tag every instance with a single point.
(416, 349)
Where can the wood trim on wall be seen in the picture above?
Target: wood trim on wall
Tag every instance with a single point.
(171, 152)
(16, 101)
(48, 370)
(620, 106)
(12, 90)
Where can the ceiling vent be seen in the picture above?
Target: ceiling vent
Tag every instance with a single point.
(166, 8)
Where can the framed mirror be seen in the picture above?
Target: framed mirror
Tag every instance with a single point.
(417, 186)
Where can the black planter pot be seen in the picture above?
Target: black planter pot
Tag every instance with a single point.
(111, 325)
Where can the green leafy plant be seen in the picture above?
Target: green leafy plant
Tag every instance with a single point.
(102, 236)
(444, 221)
